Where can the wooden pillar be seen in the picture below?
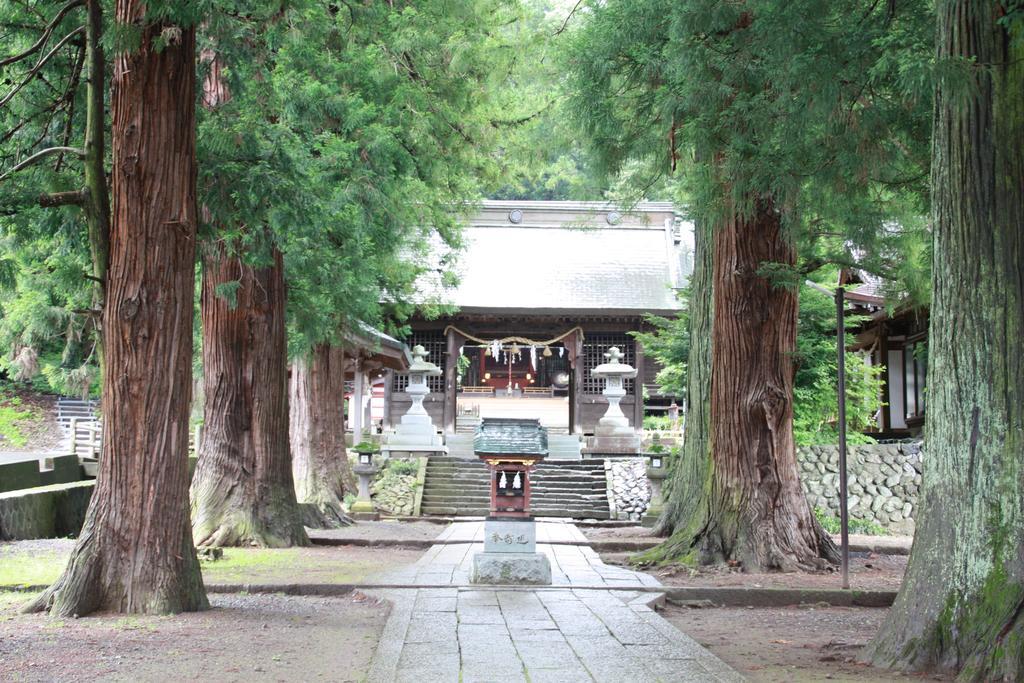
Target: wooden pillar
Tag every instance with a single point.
(638, 385)
(576, 383)
(450, 383)
(389, 383)
(355, 406)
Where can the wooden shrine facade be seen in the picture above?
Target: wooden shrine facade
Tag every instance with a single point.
(576, 354)
(569, 280)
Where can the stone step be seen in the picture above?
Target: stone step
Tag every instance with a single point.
(537, 498)
(582, 513)
(483, 476)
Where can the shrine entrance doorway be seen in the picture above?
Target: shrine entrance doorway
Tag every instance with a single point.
(516, 381)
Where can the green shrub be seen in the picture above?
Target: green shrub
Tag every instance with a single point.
(401, 466)
(657, 422)
(831, 524)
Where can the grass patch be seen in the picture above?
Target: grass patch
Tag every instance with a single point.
(289, 565)
(32, 566)
(17, 420)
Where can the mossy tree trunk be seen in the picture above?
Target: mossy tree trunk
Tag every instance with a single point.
(683, 490)
(961, 606)
(319, 457)
(242, 490)
(135, 553)
(736, 495)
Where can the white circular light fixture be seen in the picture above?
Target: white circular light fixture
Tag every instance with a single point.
(515, 216)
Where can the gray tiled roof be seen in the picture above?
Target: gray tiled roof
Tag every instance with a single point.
(566, 256)
(510, 436)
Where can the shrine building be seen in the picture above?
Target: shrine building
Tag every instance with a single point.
(545, 289)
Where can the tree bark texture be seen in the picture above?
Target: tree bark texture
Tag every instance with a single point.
(135, 552)
(750, 506)
(961, 606)
(242, 490)
(319, 457)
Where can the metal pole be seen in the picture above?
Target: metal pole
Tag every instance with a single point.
(844, 518)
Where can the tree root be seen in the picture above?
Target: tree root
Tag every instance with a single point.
(324, 515)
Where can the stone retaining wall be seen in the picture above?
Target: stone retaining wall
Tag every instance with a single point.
(44, 512)
(394, 493)
(884, 480)
(629, 487)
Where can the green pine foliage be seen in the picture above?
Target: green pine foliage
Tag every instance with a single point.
(47, 324)
(823, 107)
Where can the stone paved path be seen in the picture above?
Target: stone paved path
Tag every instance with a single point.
(588, 627)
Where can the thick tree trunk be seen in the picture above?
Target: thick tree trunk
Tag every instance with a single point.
(135, 551)
(319, 457)
(961, 606)
(750, 506)
(242, 490)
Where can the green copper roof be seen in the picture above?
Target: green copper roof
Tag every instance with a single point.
(510, 436)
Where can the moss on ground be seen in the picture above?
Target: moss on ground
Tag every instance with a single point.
(30, 568)
(35, 567)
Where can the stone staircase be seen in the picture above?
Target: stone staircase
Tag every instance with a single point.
(560, 446)
(68, 408)
(460, 486)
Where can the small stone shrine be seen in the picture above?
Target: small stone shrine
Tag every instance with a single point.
(416, 435)
(511, 448)
(613, 435)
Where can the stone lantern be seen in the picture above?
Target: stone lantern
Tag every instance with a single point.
(416, 435)
(365, 469)
(511, 449)
(657, 472)
(613, 434)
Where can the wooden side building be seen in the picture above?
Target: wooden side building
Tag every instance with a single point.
(556, 284)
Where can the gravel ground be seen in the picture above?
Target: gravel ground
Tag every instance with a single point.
(781, 645)
(243, 638)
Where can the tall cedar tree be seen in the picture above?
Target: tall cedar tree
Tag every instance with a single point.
(242, 492)
(319, 455)
(135, 551)
(961, 606)
(766, 116)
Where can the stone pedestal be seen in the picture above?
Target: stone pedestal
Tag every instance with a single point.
(613, 435)
(362, 509)
(416, 434)
(519, 569)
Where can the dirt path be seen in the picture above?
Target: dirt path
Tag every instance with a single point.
(795, 644)
(243, 638)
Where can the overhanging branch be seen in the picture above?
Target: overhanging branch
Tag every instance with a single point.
(72, 197)
(34, 71)
(42, 154)
(35, 47)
